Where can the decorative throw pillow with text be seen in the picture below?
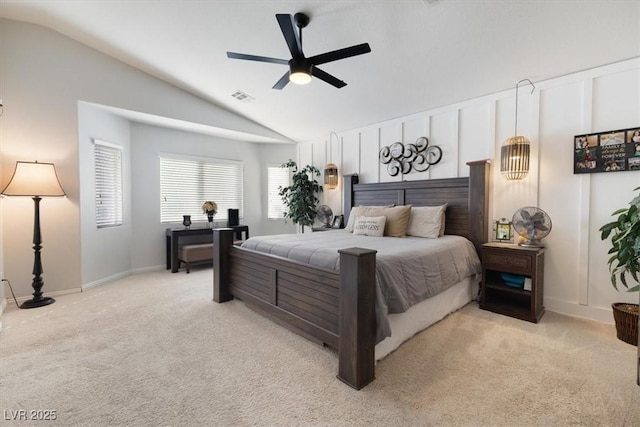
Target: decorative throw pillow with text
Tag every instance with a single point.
(369, 226)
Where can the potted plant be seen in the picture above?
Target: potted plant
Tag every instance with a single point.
(625, 260)
(300, 197)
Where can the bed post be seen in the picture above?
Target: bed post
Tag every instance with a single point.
(479, 202)
(348, 181)
(356, 343)
(222, 242)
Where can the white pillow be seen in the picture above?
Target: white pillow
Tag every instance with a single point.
(352, 218)
(369, 226)
(427, 221)
(358, 211)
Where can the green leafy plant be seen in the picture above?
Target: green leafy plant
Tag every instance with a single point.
(300, 197)
(625, 244)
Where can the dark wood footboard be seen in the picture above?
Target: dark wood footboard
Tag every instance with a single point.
(326, 306)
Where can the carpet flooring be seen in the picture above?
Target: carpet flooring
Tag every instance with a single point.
(154, 350)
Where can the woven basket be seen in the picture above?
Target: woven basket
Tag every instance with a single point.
(626, 318)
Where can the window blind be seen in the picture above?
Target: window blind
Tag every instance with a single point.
(108, 179)
(276, 177)
(185, 184)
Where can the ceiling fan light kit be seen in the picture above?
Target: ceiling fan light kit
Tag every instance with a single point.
(299, 74)
(301, 68)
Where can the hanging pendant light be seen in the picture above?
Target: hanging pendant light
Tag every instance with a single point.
(514, 155)
(331, 176)
(331, 169)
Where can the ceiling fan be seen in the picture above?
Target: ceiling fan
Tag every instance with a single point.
(302, 68)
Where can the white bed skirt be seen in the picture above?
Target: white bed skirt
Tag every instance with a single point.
(426, 313)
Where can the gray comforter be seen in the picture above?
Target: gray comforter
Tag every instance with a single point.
(409, 269)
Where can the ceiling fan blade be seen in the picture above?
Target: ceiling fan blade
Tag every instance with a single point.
(282, 82)
(327, 77)
(234, 55)
(335, 55)
(288, 27)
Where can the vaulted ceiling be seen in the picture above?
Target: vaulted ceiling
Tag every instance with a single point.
(425, 53)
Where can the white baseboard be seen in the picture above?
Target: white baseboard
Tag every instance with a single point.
(105, 280)
(47, 294)
(121, 275)
(598, 314)
(148, 269)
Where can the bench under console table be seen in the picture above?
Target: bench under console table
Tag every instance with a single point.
(202, 235)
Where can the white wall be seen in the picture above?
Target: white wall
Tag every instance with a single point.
(105, 252)
(606, 98)
(43, 76)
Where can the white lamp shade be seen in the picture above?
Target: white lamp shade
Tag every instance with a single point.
(34, 179)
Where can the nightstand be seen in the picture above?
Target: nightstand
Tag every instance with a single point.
(314, 229)
(496, 296)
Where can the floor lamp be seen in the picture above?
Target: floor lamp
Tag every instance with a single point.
(35, 180)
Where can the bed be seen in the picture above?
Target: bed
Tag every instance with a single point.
(335, 305)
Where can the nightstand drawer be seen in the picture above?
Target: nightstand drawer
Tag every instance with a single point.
(508, 262)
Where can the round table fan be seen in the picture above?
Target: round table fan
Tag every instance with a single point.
(533, 224)
(324, 215)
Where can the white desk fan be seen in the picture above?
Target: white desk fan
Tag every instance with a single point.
(533, 224)
(324, 215)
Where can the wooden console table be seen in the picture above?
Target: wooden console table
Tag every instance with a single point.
(173, 236)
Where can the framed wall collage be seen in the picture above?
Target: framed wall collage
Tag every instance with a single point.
(611, 151)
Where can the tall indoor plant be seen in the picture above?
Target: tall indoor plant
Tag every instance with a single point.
(300, 197)
(625, 260)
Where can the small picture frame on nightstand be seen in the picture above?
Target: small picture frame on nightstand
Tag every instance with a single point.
(338, 221)
(503, 230)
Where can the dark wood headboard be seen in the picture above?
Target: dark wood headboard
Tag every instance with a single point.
(467, 199)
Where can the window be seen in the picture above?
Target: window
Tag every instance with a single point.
(276, 177)
(108, 170)
(186, 183)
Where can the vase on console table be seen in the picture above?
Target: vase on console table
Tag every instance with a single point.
(186, 221)
(209, 208)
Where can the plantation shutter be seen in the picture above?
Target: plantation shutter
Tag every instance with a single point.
(186, 183)
(108, 180)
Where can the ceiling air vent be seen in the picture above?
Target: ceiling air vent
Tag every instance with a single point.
(242, 97)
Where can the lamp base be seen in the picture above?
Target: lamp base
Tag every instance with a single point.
(39, 302)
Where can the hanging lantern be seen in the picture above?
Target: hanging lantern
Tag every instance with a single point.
(331, 176)
(514, 155)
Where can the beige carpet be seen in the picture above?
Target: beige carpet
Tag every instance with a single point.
(153, 349)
